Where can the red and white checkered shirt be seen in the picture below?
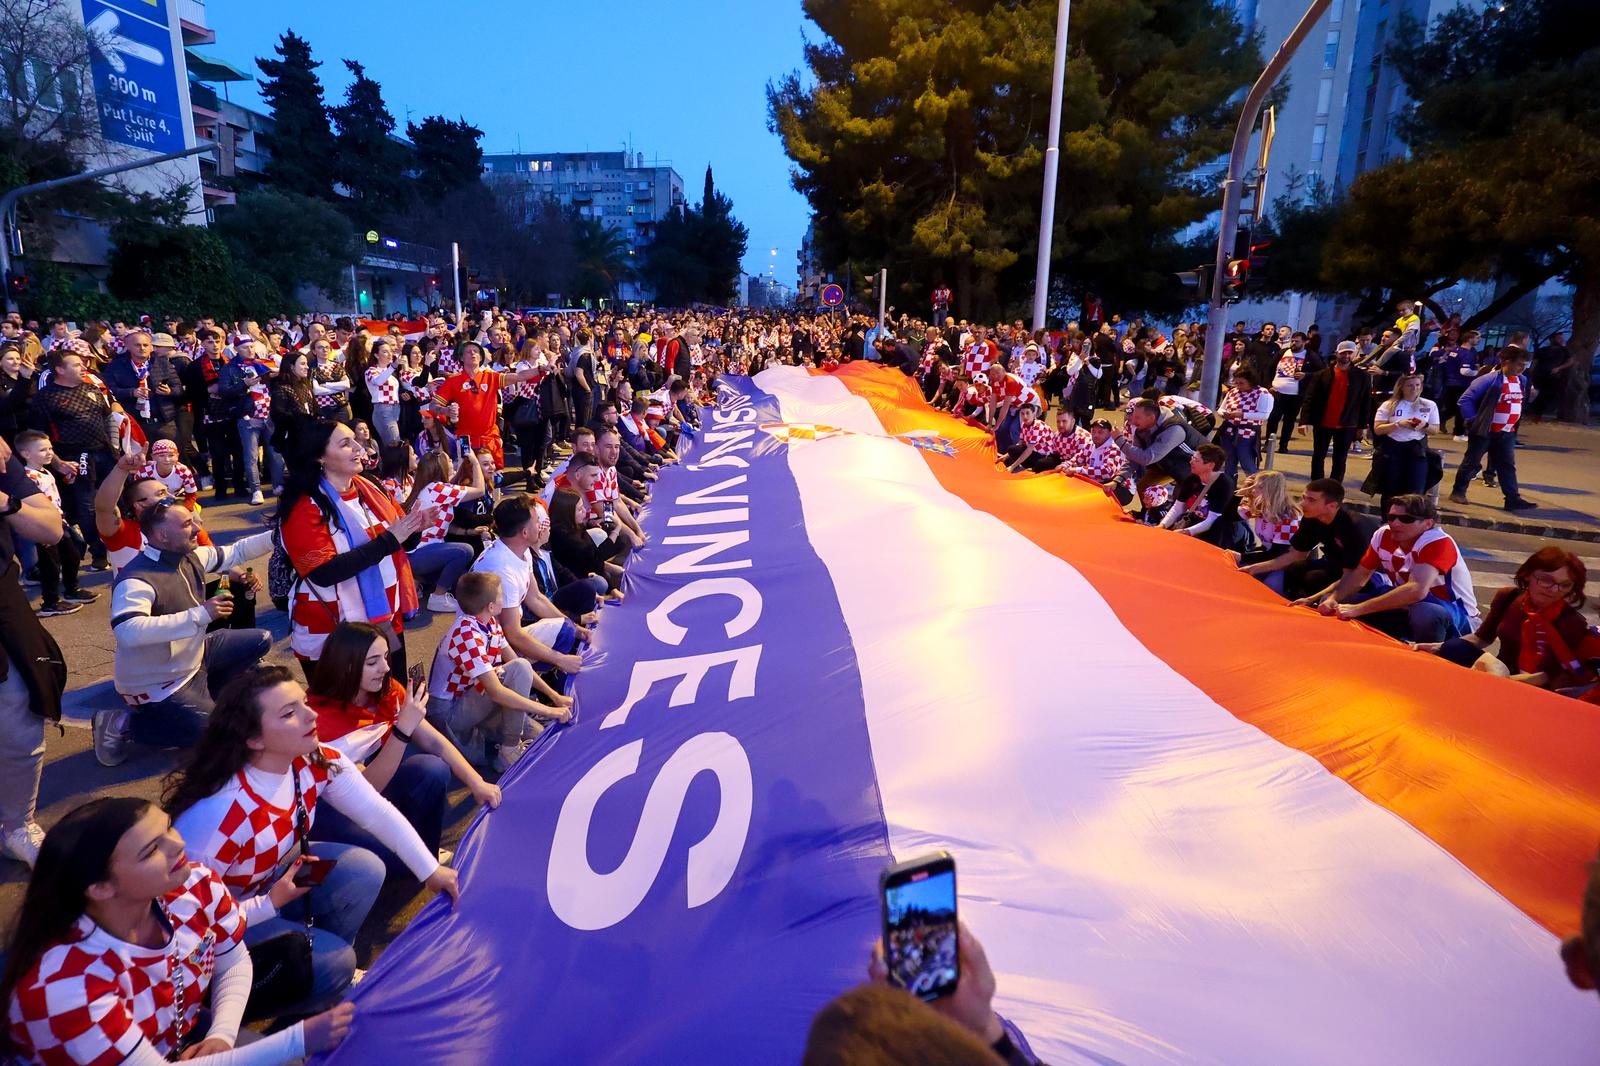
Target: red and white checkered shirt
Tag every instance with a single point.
(471, 649)
(1074, 447)
(310, 542)
(603, 496)
(1246, 410)
(1101, 462)
(978, 356)
(418, 389)
(386, 390)
(330, 371)
(1041, 438)
(92, 999)
(446, 497)
(446, 366)
(254, 838)
(1272, 531)
(47, 485)
(180, 482)
(398, 489)
(1508, 406)
(528, 389)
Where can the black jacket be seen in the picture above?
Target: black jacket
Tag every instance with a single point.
(1357, 399)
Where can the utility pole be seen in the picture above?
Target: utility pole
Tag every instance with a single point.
(455, 273)
(8, 202)
(1211, 368)
(883, 295)
(1052, 165)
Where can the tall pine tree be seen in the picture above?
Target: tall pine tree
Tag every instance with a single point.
(720, 240)
(302, 140)
(371, 163)
(448, 155)
(918, 138)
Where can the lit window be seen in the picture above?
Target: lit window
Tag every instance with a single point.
(1324, 96)
(1319, 140)
(1330, 51)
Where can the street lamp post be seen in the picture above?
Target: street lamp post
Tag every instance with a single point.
(1052, 164)
(8, 202)
(1211, 368)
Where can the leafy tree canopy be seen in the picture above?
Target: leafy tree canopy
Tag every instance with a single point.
(919, 139)
(294, 240)
(302, 141)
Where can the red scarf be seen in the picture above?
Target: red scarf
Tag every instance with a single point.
(1540, 638)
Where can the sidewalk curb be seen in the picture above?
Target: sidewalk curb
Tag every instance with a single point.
(1498, 525)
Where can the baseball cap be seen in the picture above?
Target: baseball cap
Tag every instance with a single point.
(1103, 423)
(163, 340)
(1348, 346)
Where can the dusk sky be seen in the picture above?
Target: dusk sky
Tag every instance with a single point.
(683, 82)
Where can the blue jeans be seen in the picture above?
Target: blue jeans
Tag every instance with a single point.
(440, 564)
(1501, 450)
(254, 434)
(338, 906)
(1428, 621)
(176, 721)
(1241, 454)
(417, 791)
(386, 422)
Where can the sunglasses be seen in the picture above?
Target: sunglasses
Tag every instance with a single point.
(1404, 519)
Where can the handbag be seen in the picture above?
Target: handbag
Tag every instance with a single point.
(282, 962)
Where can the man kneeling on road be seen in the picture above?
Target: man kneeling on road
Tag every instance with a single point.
(167, 665)
(1326, 524)
(1428, 595)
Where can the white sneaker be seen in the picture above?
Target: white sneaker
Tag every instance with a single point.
(441, 602)
(205, 483)
(1460, 438)
(23, 843)
(257, 499)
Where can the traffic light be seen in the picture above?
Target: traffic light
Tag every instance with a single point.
(1233, 281)
(1259, 250)
(17, 284)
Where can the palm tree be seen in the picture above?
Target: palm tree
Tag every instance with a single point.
(603, 260)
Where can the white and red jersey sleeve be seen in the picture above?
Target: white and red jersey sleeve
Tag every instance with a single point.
(1041, 438)
(446, 497)
(383, 384)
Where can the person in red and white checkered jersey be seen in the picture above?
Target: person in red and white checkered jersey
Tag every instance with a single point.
(125, 947)
(1273, 517)
(980, 353)
(165, 468)
(478, 686)
(1038, 447)
(248, 797)
(1102, 461)
(1243, 414)
(1425, 593)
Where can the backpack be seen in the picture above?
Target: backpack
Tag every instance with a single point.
(280, 574)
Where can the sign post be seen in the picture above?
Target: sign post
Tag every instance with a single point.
(455, 273)
(135, 76)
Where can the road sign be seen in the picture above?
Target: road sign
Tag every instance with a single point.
(135, 78)
(832, 295)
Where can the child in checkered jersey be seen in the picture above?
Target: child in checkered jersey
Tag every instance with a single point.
(1273, 518)
(478, 686)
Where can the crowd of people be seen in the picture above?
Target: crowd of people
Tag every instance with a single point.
(492, 469)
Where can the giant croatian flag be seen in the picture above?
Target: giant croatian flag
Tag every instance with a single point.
(1191, 823)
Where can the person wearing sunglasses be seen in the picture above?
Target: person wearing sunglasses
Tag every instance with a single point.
(1424, 591)
(1537, 622)
(167, 664)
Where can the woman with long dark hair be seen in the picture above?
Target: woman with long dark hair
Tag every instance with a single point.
(343, 536)
(379, 725)
(572, 547)
(382, 378)
(247, 803)
(414, 386)
(294, 407)
(121, 939)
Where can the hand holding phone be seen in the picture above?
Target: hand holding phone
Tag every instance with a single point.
(313, 871)
(920, 929)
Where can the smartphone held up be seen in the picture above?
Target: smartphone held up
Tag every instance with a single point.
(920, 931)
